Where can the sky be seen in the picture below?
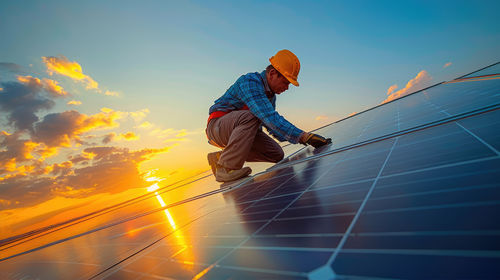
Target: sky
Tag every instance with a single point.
(97, 96)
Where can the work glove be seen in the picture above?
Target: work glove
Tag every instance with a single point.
(316, 140)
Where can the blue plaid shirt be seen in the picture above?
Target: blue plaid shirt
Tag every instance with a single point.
(250, 90)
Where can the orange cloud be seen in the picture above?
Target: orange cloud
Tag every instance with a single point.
(74, 102)
(447, 65)
(60, 129)
(108, 170)
(54, 88)
(391, 89)
(130, 136)
(14, 151)
(48, 85)
(420, 81)
(62, 66)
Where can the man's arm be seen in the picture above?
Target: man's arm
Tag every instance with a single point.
(252, 94)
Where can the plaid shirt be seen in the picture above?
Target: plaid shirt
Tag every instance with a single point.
(253, 91)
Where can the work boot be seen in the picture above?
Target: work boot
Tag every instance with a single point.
(213, 158)
(226, 175)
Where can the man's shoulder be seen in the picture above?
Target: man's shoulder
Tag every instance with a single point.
(252, 76)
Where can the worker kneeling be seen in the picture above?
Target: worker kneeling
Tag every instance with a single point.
(236, 120)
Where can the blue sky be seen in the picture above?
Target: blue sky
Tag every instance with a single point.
(171, 59)
(166, 52)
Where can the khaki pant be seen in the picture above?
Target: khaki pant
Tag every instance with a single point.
(241, 138)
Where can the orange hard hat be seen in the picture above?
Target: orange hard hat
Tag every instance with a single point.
(287, 64)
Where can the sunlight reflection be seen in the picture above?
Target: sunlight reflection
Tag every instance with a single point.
(187, 255)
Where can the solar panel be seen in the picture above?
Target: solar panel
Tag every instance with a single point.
(409, 189)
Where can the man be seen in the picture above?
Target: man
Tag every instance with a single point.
(236, 120)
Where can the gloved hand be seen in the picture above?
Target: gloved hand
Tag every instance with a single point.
(315, 140)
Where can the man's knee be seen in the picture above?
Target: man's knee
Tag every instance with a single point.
(278, 155)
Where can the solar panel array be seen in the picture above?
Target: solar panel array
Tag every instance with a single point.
(409, 189)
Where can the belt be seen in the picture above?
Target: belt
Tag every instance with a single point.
(218, 114)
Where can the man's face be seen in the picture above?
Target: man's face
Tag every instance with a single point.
(277, 82)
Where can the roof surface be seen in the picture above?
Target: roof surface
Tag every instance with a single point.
(408, 189)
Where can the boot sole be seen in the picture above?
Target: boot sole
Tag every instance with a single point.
(248, 172)
(212, 161)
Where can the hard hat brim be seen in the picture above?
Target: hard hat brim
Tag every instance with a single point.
(292, 81)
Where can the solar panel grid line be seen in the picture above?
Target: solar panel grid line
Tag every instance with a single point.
(442, 206)
(326, 204)
(141, 275)
(436, 192)
(430, 233)
(263, 248)
(484, 159)
(460, 253)
(239, 268)
(301, 235)
(216, 263)
(358, 213)
(317, 216)
(270, 198)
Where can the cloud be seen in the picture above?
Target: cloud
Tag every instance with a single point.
(146, 125)
(13, 151)
(108, 138)
(21, 102)
(139, 115)
(54, 88)
(447, 64)
(11, 67)
(321, 118)
(129, 136)
(391, 89)
(61, 129)
(111, 93)
(62, 66)
(419, 82)
(111, 170)
(48, 85)
(19, 191)
(74, 102)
